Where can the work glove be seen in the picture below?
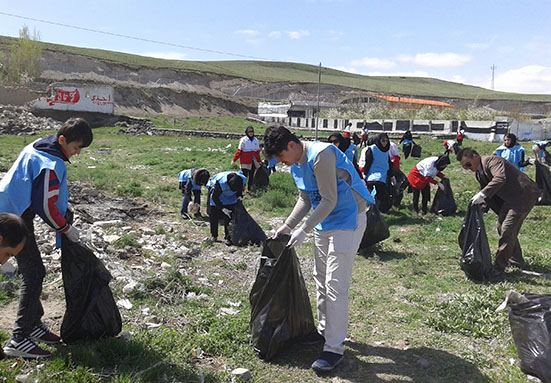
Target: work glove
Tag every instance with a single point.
(226, 211)
(441, 186)
(283, 230)
(297, 237)
(478, 198)
(72, 234)
(240, 198)
(232, 163)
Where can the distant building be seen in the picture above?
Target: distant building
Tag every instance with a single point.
(300, 109)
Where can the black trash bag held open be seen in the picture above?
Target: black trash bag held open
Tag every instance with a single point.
(416, 151)
(543, 180)
(91, 311)
(476, 260)
(397, 182)
(280, 307)
(243, 229)
(261, 177)
(530, 320)
(444, 202)
(376, 229)
(406, 148)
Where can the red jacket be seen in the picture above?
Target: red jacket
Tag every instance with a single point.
(419, 181)
(246, 150)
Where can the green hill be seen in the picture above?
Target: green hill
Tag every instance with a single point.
(274, 71)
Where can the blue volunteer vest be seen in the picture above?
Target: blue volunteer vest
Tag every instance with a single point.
(185, 175)
(228, 196)
(351, 152)
(272, 162)
(406, 141)
(16, 186)
(513, 155)
(379, 166)
(343, 216)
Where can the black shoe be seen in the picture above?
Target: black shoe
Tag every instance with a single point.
(228, 242)
(327, 361)
(185, 216)
(312, 339)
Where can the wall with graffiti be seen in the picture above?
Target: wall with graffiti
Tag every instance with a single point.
(81, 99)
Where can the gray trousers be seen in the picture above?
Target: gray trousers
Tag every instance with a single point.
(32, 271)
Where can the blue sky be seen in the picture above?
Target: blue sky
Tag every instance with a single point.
(451, 40)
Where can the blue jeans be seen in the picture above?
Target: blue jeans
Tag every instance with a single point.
(187, 198)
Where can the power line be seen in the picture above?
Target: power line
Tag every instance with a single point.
(135, 38)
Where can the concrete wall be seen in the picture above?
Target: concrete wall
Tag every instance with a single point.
(478, 130)
(98, 99)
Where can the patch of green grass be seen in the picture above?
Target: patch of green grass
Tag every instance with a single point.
(126, 240)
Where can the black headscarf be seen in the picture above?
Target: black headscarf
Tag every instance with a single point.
(247, 132)
(380, 145)
(344, 142)
(442, 161)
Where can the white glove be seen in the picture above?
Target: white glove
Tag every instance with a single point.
(72, 234)
(441, 186)
(297, 237)
(240, 198)
(478, 198)
(227, 212)
(283, 230)
(232, 162)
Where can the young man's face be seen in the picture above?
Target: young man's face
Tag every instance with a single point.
(70, 148)
(290, 155)
(8, 252)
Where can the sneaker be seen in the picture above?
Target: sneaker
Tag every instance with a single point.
(185, 216)
(25, 348)
(312, 339)
(227, 241)
(42, 333)
(327, 361)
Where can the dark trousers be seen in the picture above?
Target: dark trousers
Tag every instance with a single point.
(509, 222)
(215, 215)
(249, 173)
(32, 271)
(425, 194)
(187, 197)
(382, 199)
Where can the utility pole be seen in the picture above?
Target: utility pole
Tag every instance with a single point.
(493, 68)
(318, 108)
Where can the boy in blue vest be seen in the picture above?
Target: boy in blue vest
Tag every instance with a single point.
(225, 189)
(37, 184)
(190, 181)
(328, 183)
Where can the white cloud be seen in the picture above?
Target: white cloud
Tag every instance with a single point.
(246, 32)
(296, 35)
(528, 79)
(274, 34)
(373, 63)
(436, 60)
(166, 55)
(335, 35)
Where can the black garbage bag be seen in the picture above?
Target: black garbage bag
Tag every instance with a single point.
(530, 320)
(91, 312)
(416, 151)
(243, 229)
(444, 203)
(547, 158)
(543, 180)
(376, 229)
(406, 148)
(476, 260)
(356, 139)
(261, 177)
(280, 307)
(396, 184)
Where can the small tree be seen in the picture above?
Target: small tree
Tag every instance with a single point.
(22, 62)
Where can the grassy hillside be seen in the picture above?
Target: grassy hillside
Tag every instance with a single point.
(273, 71)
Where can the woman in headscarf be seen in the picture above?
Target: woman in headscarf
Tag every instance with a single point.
(512, 151)
(349, 149)
(422, 174)
(376, 164)
(248, 153)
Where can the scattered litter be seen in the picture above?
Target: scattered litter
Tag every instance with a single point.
(125, 303)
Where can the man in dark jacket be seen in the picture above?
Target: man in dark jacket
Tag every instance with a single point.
(510, 193)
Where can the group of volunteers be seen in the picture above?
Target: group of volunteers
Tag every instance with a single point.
(333, 179)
